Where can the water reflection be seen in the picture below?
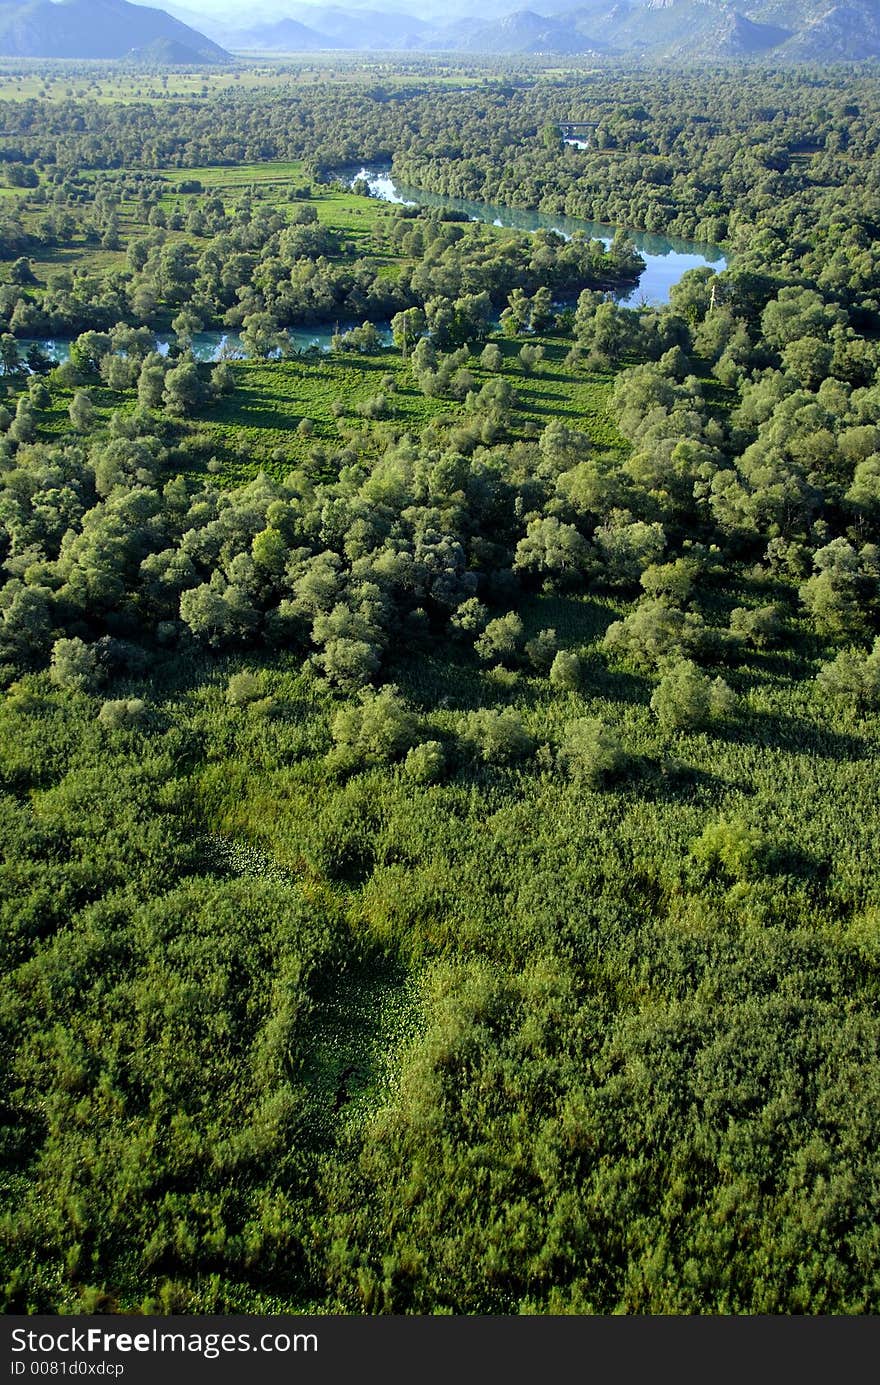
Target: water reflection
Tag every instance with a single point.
(666, 257)
(666, 260)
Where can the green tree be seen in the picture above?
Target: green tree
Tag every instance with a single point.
(501, 638)
(75, 666)
(565, 671)
(81, 411)
(498, 737)
(425, 762)
(591, 752)
(376, 729)
(687, 699)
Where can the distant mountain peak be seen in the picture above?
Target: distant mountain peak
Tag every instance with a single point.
(664, 30)
(101, 29)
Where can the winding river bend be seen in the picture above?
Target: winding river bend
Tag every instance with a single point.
(666, 260)
(666, 257)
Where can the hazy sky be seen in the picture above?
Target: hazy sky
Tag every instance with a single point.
(422, 9)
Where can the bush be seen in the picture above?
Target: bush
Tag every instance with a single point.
(686, 699)
(470, 617)
(852, 677)
(565, 671)
(376, 730)
(591, 751)
(75, 666)
(501, 638)
(541, 651)
(350, 663)
(497, 737)
(760, 626)
(81, 411)
(653, 632)
(737, 849)
(223, 378)
(425, 763)
(122, 714)
(243, 688)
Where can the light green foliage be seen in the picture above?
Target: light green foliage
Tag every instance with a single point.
(672, 582)
(736, 848)
(761, 626)
(122, 714)
(565, 671)
(652, 632)
(183, 390)
(591, 752)
(853, 677)
(552, 548)
(74, 665)
(218, 612)
(425, 762)
(687, 699)
(470, 617)
(376, 729)
(349, 663)
(541, 651)
(244, 687)
(628, 547)
(498, 737)
(844, 588)
(501, 638)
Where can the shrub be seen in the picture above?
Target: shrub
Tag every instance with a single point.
(591, 751)
(425, 762)
(501, 638)
(760, 626)
(350, 663)
(81, 411)
(470, 617)
(653, 632)
(737, 849)
(243, 688)
(852, 677)
(565, 671)
(122, 714)
(497, 737)
(375, 730)
(541, 651)
(687, 699)
(75, 666)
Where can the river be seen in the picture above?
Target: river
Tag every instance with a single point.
(666, 260)
(666, 257)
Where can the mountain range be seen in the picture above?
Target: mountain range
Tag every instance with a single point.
(657, 30)
(662, 30)
(101, 29)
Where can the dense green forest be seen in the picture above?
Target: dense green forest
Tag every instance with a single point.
(438, 777)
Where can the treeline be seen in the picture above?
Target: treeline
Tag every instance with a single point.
(252, 266)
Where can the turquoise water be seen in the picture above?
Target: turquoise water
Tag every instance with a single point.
(215, 346)
(666, 257)
(666, 260)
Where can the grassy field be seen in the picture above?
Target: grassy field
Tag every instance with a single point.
(111, 83)
(255, 428)
(359, 219)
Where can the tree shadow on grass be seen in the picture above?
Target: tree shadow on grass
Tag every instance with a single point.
(668, 780)
(794, 736)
